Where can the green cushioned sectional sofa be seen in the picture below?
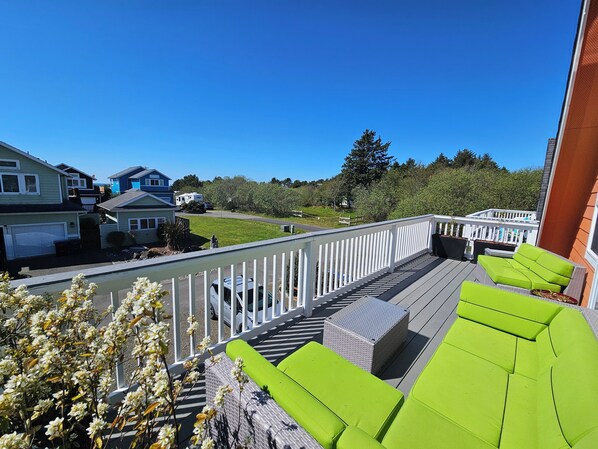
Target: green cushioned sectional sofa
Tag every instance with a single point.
(528, 268)
(513, 372)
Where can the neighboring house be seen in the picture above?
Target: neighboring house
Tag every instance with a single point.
(137, 213)
(81, 188)
(142, 178)
(569, 224)
(185, 198)
(34, 207)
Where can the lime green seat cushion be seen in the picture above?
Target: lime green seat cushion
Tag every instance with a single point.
(356, 396)
(465, 389)
(575, 390)
(502, 272)
(519, 424)
(526, 358)
(556, 264)
(355, 438)
(549, 276)
(319, 421)
(419, 427)
(483, 341)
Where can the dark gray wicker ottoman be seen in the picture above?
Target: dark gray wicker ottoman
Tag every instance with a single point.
(367, 332)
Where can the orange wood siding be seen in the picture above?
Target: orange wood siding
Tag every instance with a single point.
(570, 204)
(580, 245)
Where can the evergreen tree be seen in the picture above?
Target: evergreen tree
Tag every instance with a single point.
(367, 162)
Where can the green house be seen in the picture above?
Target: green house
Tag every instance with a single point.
(34, 208)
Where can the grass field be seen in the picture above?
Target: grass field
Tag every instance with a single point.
(231, 231)
(325, 217)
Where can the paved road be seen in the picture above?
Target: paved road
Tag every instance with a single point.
(238, 216)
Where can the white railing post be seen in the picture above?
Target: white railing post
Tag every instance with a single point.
(392, 250)
(431, 230)
(532, 236)
(309, 274)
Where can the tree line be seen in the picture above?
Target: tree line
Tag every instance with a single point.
(379, 188)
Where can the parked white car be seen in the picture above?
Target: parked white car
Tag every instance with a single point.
(227, 296)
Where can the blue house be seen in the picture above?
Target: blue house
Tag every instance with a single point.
(145, 179)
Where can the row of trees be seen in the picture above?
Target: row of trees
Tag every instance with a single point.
(381, 188)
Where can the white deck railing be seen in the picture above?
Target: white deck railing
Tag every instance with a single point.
(298, 271)
(505, 215)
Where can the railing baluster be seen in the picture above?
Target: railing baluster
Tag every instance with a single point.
(192, 311)
(330, 268)
(255, 293)
(220, 305)
(245, 300)
(319, 274)
(292, 279)
(283, 283)
(274, 281)
(119, 369)
(324, 269)
(233, 300)
(300, 270)
(207, 304)
(265, 290)
(176, 318)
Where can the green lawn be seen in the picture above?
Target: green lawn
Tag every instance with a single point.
(231, 231)
(326, 217)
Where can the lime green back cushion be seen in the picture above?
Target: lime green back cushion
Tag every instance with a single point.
(525, 261)
(575, 390)
(356, 396)
(311, 414)
(556, 264)
(567, 328)
(530, 252)
(509, 312)
(548, 275)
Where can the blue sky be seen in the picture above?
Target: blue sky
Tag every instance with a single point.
(280, 88)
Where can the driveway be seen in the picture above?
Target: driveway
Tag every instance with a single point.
(239, 216)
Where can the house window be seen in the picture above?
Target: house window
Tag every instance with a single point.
(76, 182)
(136, 224)
(9, 163)
(154, 182)
(11, 183)
(592, 248)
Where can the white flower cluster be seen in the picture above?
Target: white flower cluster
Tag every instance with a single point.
(238, 373)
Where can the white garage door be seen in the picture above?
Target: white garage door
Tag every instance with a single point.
(36, 240)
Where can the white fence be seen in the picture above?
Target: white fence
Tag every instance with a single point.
(505, 215)
(297, 273)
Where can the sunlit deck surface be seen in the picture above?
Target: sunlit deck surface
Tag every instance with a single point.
(428, 286)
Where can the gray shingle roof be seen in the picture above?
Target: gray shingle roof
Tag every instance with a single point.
(147, 171)
(120, 202)
(125, 171)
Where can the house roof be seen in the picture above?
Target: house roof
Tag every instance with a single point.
(125, 202)
(33, 158)
(67, 206)
(125, 172)
(65, 167)
(146, 172)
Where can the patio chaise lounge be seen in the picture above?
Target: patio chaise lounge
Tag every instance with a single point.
(512, 372)
(530, 267)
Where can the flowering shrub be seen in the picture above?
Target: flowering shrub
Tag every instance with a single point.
(56, 365)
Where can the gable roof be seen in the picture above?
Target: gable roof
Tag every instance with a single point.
(126, 171)
(33, 158)
(147, 171)
(65, 167)
(124, 201)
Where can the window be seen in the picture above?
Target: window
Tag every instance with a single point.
(17, 183)
(136, 224)
(10, 183)
(9, 163)
(592, 248)
(154, 182)
(76, 182)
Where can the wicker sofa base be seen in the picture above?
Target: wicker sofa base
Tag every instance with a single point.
(251, 416)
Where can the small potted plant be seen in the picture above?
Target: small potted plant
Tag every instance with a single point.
(450, 245)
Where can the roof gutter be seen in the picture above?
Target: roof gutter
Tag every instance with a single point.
(581, 27)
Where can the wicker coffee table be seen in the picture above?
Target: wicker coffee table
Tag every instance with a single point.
(367, 332)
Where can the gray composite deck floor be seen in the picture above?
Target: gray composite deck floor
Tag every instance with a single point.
(427, 286)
